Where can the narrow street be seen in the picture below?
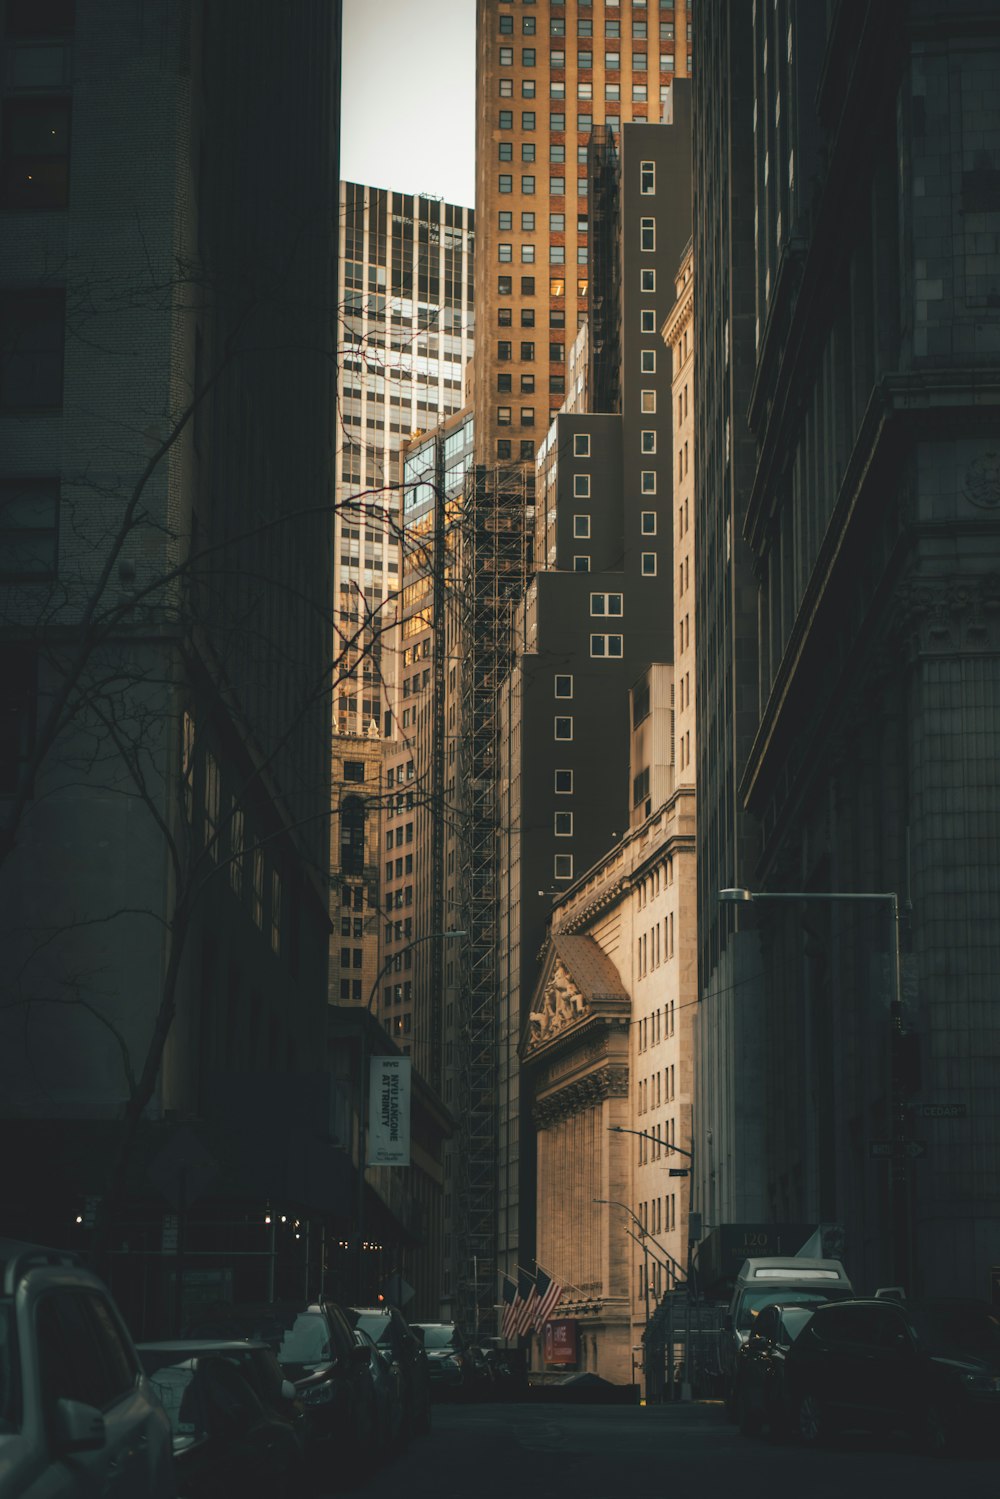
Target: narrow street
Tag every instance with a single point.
(608, 1452)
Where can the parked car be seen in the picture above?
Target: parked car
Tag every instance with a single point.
(930, 1368)
(387, 1381)
(760, 1398)
(237, 1426)
(448, 1363)
(394, 1336)
(77, 1412)
(764, 1281)
(332, 1378)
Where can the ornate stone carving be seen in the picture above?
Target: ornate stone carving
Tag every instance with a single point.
(562, 1003)
(577, 1097)
(982, 481)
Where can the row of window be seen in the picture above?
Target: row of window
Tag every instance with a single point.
(557, 253)
(649, 947)
(557, 290)
(656, 1027)
(658, 1088)
(585, 90)
(557, 384)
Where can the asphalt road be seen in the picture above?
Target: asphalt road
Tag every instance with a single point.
(660, 1452)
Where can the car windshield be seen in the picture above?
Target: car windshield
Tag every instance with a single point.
(307, 1341)
(376, 1327)
(969, 1328)
(9, 1402)
(753, 1301)
(438, 1337)
(172, 1383)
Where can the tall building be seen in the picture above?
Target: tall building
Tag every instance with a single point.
(405, 339)
(593, 620)
(546, 75)
(166, 400)
(729, 1114)
(866, 355)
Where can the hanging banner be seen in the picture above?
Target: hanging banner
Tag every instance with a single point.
(388, 1112)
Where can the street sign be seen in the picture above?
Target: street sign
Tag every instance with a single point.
(895, 1150)
(940, 1110)
(678, 1170)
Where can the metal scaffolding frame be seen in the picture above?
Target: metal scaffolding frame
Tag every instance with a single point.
(494, 565)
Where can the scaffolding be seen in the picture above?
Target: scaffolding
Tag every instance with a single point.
(495, 559)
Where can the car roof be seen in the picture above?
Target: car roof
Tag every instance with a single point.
(193, 1346)
(17, 1258)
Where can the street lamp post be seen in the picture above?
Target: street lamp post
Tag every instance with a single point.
(621, 1129)
(363, 1090)
(898, 1177)
(613, 1202)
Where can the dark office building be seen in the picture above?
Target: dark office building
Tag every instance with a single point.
(598, 611)
(871, 292)
(167, 296)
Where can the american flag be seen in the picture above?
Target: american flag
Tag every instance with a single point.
(529, 1300)
(511, 1310)
(549, 1293)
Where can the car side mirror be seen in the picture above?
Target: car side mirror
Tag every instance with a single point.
(288, 1390)
(78, 1427)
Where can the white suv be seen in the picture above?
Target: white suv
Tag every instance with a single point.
(77, 1413)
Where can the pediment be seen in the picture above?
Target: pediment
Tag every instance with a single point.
(578, 984)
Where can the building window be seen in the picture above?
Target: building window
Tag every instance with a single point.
(528, 254)
(505, 219)
(647, 361)
(557, 221)
(506, 25)
(606, 603)
(563, 783)
(505, 150)
(527, 352)
(557, 59)
(29, 515)
(585, 90)
(647, 175)
(503, 349)
(35, 165)
(647, 440)
(503, 447)
(647, 402)
(527, 221)
(503, 416)
(528, 120)
(528, 25)
(527, 385)
(527, 184)
(606, 646)
(18, 696)
(557, 385)
(507, 87)
(581, 486)
(505, 316)
(527, 450)
(648, 481)
(528, 151)
(504, 286)
(581, 527)
(581, 440)
(527, 416)
(557, 254)
(585, 59)
(557, 122)
(647, 280)
(562, 728)
(506, 119)
(647, 523)
(648, 320)
(649, 564)
(612, 91)
(562, 824)
(557, 153)
(528, 57)
(647, 234)
(527, 286)
(505, 252)
(581, 564)
(354, 770)
(528, 89)
(562, 866)
(31, 349)
(638, 93)
(504, 388)
(505, 183)
(563, 686)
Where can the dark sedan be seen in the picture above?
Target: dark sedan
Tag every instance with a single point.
(930, 1368)
(391, 1333)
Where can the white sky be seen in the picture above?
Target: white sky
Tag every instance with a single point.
(408, 95)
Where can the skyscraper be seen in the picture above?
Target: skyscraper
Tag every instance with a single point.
(406, 337)
(546, 74)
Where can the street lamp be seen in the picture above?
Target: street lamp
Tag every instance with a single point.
(363, 1087)
(898, 1178)
(621, 1129)
(613, 1202)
